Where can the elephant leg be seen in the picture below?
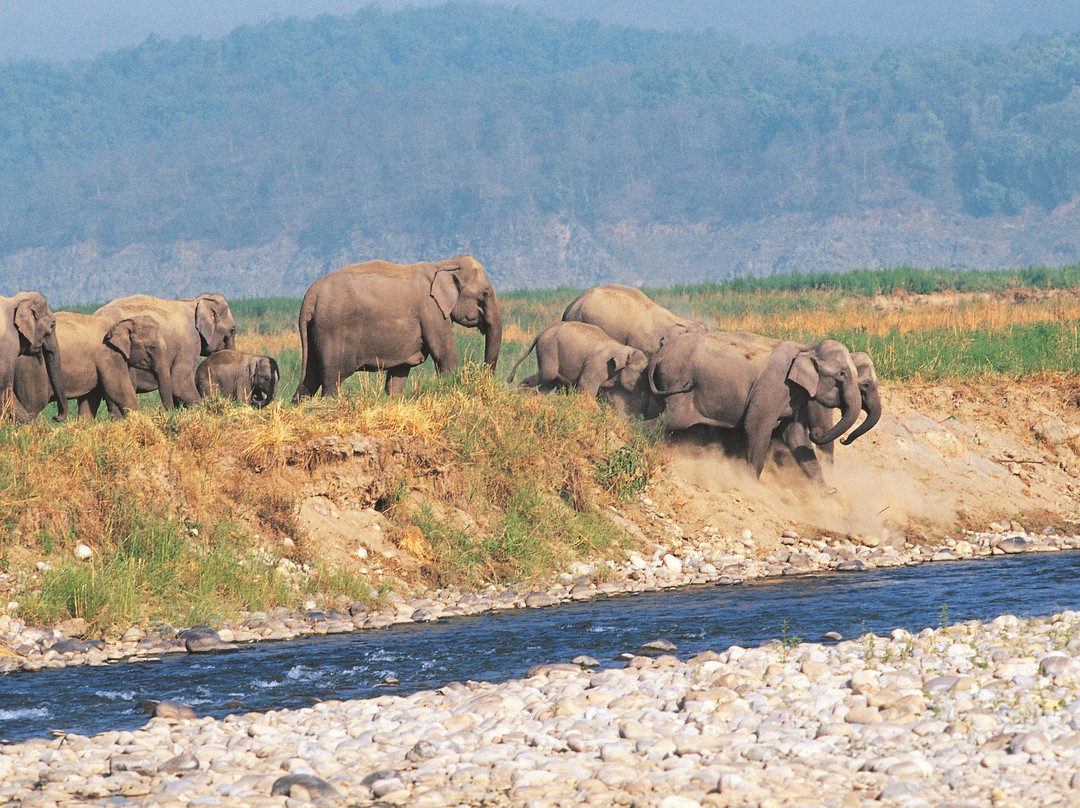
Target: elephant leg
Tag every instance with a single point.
(88, 406)
(395, 379)
(184, 390)
(593, 377)
(797, 438)
(119, 394)
(10, 404)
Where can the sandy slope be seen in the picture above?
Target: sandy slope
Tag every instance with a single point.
(942, 460)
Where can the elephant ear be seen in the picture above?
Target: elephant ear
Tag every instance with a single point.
(119, 337)
(26, 320)
(618, 360)
(206, 320)
(804, 372)
(445, 288)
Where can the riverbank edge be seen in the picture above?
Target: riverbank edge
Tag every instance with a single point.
(707, 560)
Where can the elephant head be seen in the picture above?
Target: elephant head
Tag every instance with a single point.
(464, 294)
(625, 368)
(215, 323)
(138, 339)
(827, 372)
(868, 389)
(263, 377)
(36, 324)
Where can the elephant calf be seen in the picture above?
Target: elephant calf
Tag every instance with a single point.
(247, 378)
(572, 354)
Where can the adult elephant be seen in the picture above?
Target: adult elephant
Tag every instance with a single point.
(821, 418)
(629, 316)
(756, 384)
(379, 316)
(96, 356)
(189, 329)
(29, 329)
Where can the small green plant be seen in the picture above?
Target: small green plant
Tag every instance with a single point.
(624, 472)
(788, 641)
(943, 615)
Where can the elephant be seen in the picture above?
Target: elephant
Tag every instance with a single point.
(379, 316)
(29, 329)
(629, 316)
(756, 384)
(820, 418)
(190, 329)
(584, 356)
(96, 355)
(247, 378)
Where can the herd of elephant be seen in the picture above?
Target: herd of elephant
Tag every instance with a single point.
(377, 316)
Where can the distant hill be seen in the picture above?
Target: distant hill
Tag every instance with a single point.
(557, 152)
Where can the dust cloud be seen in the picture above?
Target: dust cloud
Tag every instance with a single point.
(862, 499)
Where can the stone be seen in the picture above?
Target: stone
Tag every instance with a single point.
(539, 600)
(1014, 544)
(863, 715)
(185, 762)
(304, 786)
(658, 646)
(170, 709)
(203, 641)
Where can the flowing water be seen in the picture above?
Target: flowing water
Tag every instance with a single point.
(499, 646)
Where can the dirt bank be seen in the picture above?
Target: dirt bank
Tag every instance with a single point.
(942, 461)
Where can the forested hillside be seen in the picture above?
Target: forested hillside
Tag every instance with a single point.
(557, 152)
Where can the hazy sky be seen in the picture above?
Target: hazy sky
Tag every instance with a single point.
(75, 29)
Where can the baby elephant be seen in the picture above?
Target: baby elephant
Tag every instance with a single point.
(572, 354)
(248, 378)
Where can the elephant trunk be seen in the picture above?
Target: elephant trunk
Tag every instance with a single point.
(163, 375)
(491, 326)
(852, 407)
(872, 405)
(50, 350)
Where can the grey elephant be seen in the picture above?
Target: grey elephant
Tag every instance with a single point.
(629, 316)
(190, 329)
(379, 316)
(28, 328)
(821, 418)
(97, 355)
(756, 385)
(584, 356)
(246, 378)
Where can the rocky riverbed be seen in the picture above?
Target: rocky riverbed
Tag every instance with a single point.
(968, 715)
(683, 561)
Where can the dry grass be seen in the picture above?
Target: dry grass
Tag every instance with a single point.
(185, 484)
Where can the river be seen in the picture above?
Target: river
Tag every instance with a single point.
(504, 645)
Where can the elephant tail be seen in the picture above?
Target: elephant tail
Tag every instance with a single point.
(307, 311)
(513, 370)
